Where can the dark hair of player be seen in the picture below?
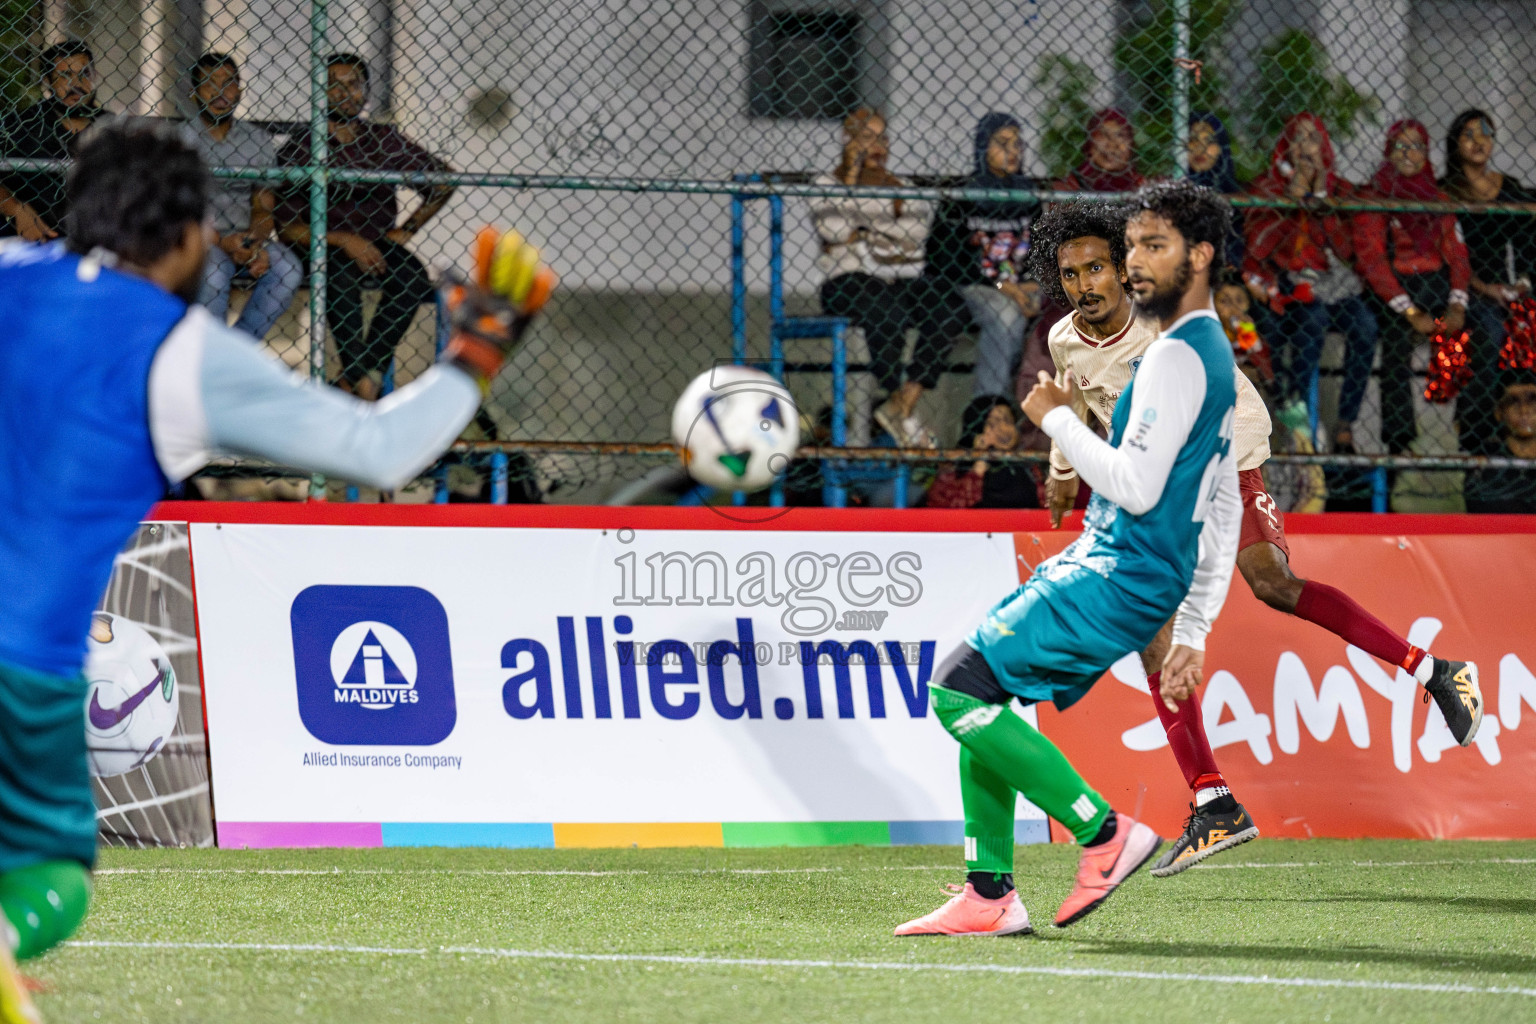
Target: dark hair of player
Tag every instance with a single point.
(351, 59)
(1079, 219)
(210, 62)
(133, 189)
(63, 51)
(1200, 214)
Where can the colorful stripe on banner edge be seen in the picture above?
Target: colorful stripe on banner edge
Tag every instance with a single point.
(576, 835)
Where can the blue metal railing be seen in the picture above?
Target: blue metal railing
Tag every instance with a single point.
(782, 328)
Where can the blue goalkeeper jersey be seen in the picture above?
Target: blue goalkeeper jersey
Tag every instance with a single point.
(77, 465)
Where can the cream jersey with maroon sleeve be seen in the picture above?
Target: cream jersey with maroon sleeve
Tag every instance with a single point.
(1102, 369)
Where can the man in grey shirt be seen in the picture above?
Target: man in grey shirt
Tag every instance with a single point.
(241, 210)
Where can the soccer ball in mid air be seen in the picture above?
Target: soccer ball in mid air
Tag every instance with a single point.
(130, 702)
(736, 427)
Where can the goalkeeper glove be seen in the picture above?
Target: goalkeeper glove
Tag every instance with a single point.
(491, 313)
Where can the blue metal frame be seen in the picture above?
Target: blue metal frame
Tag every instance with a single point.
(782, 328)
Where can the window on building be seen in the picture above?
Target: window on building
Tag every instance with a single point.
(804, 62)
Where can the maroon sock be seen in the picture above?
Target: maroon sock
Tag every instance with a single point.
(1339, 614)
(1186, 735)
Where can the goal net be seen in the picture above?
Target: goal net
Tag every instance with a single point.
(166, 801)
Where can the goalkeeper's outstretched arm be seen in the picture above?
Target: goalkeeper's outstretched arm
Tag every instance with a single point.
(212, 390)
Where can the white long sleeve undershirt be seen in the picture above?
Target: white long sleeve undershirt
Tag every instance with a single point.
(1218, 554)
(212, 390)
(1170, 387)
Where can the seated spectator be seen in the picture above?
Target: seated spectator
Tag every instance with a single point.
(1211, 165)
(48, 130)
(1248, 347)
(979, 249)
(1110, 157)
(1502, 250)
(990, 423)
(365, 247)
(872, 253)
(1416, 266)
(1509, 490)
(241, 210)
(1298, 264)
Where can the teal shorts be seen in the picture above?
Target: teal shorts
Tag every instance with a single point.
(46, 808)
(1052, 639)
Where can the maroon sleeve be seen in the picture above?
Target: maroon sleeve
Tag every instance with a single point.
(1453, 249)
(405, 155)
(952, 490)
(1265, 228)
(1371, 259)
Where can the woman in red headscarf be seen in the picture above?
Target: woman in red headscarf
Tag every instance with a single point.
(1109, 149)
(1417, 266)
(1298, 262)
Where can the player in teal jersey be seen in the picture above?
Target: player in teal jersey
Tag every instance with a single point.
(1159, 541)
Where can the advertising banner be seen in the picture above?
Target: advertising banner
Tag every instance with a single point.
(382, 685)
(1318, 738)
(756, 684)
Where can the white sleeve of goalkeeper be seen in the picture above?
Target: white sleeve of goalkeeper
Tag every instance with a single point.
(214, 390)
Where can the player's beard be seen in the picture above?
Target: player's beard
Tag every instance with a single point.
(216, 119)
(1164, 300)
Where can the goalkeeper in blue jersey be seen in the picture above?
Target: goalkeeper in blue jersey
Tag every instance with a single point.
(112, 387)
(1159, 540)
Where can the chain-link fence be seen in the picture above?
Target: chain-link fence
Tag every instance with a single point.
(712, 180)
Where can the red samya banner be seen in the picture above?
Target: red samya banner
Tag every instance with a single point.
(1320, 739)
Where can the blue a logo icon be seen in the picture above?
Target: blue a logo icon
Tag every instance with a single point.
(373, 665)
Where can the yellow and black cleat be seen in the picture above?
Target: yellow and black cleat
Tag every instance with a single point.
(1206, 832)
(1454, 686)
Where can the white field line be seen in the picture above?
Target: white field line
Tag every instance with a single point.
(1366, 864)
(833, 965)
(516, 871)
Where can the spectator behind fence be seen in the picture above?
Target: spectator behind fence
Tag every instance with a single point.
(1235, 308)
(1509, 490)
(1109, 149)
(1502, 250)
(242, 211)
(872, 252)
(365, 247)
(990, 423)
(981, 248)
(1211, 164)
(48, 130)
(1298, 263)
(1416, 265)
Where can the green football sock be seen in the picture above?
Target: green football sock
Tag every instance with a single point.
(1017, 753)
(44, 904)
(989, 802)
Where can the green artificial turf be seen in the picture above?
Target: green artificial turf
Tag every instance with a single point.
(425, 935)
